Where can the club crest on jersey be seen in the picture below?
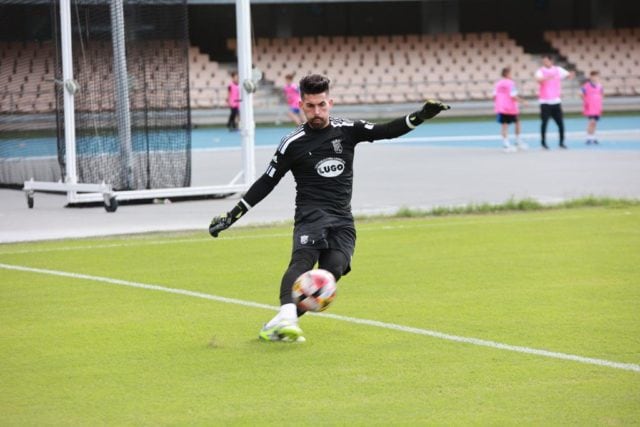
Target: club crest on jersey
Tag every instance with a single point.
(330, 167)
(337, 145)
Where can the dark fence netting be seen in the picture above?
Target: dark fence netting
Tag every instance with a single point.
(132, 114)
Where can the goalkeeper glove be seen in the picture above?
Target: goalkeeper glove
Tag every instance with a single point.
(224, 221)
(429, 110)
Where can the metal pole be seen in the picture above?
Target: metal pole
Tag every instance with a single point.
(68, 93)
(122, 90)
(247, 123)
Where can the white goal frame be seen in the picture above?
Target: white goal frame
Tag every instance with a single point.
(88, 193)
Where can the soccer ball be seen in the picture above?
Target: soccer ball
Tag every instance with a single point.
(314, 290)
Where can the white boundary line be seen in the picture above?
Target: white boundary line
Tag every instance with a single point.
(631, 135)
(375, 323)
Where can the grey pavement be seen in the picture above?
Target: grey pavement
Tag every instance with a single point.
(387, 177)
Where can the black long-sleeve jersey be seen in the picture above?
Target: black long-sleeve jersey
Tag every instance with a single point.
(321, 161)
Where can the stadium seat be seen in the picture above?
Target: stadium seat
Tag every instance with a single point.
(613, 52)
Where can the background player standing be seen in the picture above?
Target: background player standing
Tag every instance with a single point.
(505, 96)
(292, 96)
(549, 79)
(592, 94)
(320, 155)
(233, 101)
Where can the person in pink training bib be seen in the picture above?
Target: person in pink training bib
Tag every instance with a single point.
(592, 94)
(292, 96)
(549, 79)
(505, 96)
(233, 101)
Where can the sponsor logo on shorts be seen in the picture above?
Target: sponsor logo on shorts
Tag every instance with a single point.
(330, 167)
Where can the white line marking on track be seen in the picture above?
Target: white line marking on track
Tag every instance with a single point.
(631, 134)
(375, 323)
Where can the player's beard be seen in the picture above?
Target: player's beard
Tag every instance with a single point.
(318, 123)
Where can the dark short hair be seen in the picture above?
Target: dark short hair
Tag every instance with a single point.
(505, 71)
(314, 84)
(594, 73)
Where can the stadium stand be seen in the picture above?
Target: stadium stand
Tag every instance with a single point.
(27, 77)
(615, 53)
(207, 81)
(400, 68)
(364, 69)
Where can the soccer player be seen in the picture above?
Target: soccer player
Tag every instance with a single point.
(505, 95)
(320, 155)
(592, 95)
(292, 95)
(233, 101)
(549, 79)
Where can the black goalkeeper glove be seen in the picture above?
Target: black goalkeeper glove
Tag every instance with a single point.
(224, 221)
(430, 109)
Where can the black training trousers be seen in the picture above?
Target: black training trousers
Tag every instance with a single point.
(555, 112)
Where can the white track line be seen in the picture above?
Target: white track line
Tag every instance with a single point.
(632, 134)
(374, 323)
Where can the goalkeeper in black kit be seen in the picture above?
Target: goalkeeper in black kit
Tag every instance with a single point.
(320, 154)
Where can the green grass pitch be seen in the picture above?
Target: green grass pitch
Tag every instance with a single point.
(78, 351)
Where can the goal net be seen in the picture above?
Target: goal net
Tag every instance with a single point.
(132, 133)
(113, 78)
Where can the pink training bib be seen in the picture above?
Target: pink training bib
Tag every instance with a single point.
(504, 102)
(234, 96)
(292, 94)
(592, 99)
(551, 87)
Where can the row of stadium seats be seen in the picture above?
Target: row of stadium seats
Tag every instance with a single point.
(402, 68)
(27, 70)
(26, 77)
(614, 53)
(366, 69)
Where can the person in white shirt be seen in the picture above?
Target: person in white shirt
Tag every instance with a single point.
(549, 79)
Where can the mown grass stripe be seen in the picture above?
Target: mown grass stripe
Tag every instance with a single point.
(354, 320)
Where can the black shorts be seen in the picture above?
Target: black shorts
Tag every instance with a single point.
(318, 229)
(507, 118)
(596, 118)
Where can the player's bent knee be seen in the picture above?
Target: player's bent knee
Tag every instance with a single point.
(336, 263)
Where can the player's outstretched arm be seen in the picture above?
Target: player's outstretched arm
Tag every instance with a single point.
(400, 126)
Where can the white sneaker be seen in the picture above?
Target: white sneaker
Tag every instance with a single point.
(522, 146)
(509, 149)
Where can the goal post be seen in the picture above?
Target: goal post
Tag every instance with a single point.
(122, 186)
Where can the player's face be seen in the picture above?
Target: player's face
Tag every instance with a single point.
(547, 62)
(316, 108)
